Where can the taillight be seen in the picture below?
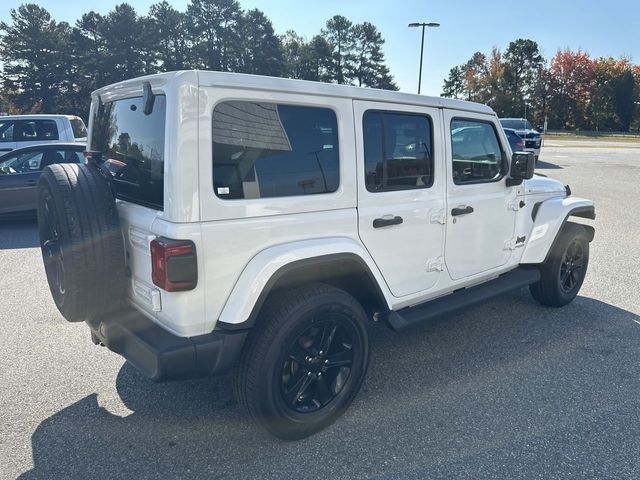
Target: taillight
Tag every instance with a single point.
(94, 155)
(174, 265)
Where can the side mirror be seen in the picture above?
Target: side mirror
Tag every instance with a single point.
(523, 165)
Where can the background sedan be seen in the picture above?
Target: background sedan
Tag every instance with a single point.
(20, 170)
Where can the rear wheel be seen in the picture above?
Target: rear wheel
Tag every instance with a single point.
(564, 271)
(304, 362)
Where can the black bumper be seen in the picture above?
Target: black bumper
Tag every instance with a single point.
(160, 355)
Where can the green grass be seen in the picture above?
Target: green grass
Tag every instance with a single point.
(590, 138)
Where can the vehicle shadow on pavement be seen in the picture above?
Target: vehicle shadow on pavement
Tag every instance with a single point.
(504, 388)
(548, 166)
(18, 232)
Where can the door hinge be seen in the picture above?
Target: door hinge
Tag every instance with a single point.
(515, 205)
(435, 264)
(515, 242)
(439, 217)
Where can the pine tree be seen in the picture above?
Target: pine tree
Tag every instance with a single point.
(522, 64)
(34, 50)
(167, 32)
(126, 46)
(454, 85)
(338, 33)
(307, 60)
(214, 33)
(369, 68)
(262, 51)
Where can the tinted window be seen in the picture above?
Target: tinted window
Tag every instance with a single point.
(477, 156)
(515, 141)
(34, 161)
(36, 130)
(132, 146)
(6, 131)
(516, 123)
(269, 150)
(397, 151)
(78, 127)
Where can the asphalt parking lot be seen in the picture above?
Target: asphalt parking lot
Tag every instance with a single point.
(506, 390)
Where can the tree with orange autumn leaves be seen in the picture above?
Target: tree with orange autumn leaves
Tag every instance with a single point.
(572, 91)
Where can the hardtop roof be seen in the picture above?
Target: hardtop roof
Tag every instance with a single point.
(259, 82)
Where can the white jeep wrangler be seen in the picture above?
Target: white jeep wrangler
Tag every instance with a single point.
(230, 222)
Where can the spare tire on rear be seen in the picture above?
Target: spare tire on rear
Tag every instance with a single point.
(81, 241)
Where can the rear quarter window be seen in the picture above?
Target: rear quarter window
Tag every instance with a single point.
(78, 127)
(263, 150)
(131, 146)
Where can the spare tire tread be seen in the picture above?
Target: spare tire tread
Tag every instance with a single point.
(91, 241)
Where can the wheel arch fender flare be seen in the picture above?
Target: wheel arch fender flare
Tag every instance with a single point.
(550, 216)
(264, 270)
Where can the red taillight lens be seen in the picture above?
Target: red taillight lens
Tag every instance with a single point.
(174, 266)
(92, 155)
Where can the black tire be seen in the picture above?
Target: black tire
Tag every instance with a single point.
(267, 367)
(562, 274)
(81, 241)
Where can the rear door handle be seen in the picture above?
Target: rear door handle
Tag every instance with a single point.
(456, 212)
(387, 222)
(31, 183)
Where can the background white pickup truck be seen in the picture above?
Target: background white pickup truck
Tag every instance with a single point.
(18, 131)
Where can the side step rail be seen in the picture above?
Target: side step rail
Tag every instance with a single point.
(464, 298)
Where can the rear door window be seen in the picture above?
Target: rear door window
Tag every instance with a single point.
(265, 150)
(397, 151)
(131, 145)
(36, 130)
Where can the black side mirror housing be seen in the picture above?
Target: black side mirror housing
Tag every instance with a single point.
(523, 165)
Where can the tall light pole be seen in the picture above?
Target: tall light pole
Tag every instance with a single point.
(423, 25)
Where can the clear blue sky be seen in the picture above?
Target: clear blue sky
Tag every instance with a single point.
(600, 28)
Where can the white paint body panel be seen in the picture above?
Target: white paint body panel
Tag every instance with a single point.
(476, 242)
(402, 252)
(549, 220)
(240, 244)
(269, 261)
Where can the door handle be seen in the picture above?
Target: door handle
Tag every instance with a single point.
(456, 212)
(387, 222)
(31, 183)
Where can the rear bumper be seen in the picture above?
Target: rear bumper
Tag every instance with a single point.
(162, 356)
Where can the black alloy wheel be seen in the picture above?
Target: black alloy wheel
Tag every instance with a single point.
(304, 361)
(317, 366)
(571, 267)
(564, 271)
(52, 254)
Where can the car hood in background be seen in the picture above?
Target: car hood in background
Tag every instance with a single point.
(528, 133)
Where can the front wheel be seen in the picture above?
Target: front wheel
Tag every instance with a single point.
(564, 271)
(304, 361)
